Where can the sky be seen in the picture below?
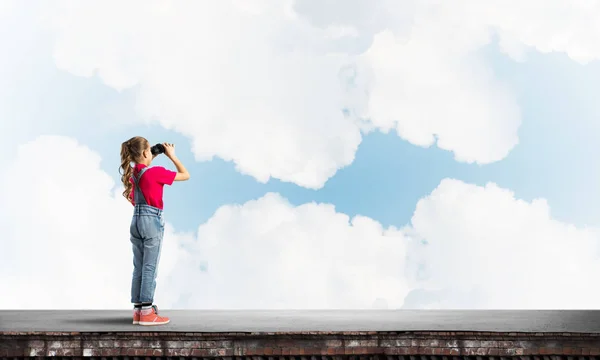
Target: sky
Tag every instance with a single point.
(344, 154)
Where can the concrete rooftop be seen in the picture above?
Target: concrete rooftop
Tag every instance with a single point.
(306, 320)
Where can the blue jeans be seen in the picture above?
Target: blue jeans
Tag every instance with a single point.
(147, 229)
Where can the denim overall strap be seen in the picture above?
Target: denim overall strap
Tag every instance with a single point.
(138, 196)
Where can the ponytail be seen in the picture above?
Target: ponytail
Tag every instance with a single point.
(131, 151)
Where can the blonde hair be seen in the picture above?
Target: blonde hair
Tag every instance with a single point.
(131, 151)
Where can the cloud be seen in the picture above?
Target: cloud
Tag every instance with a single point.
(66, 235)
(285, 89)
(567, 27)
(280, 92)
(247, 82)
(66, 227)
(479, 247)
(428, 94)
(63, 225)
(268, 254)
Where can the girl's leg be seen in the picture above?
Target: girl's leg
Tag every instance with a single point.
(137, 244)
(152, 250)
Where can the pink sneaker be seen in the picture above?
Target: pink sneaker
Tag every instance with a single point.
(150, 317)
(136, 316)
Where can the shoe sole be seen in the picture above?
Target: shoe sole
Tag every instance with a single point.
(153, 323)
(136, 322)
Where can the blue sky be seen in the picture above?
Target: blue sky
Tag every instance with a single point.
(554, 158)
(223, 80)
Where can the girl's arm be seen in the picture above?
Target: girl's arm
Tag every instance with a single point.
(182, 173)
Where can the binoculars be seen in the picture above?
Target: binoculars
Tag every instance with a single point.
(157, 149)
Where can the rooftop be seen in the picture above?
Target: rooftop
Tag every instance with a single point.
(262, 321)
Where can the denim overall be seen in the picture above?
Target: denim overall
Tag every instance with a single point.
(147, 229)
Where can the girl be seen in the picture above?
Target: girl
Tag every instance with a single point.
(144, 190)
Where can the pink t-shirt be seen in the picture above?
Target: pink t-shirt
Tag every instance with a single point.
(152, 182)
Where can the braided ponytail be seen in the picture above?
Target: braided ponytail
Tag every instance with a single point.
(131, 151)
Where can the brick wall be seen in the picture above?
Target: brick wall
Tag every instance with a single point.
(305, 345)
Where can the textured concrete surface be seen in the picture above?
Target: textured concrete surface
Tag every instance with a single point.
(306, 320)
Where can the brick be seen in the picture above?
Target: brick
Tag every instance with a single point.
(69, 352)
(191, 344)
(359, 350)
(55, 345)
(36, 344)
(157, 352)
(32, 352)
(224, 343)
(489, 344)
(106, 343)
(361, 343)
(474, 351)
(223, 352)
(90, 344)
(450, 343)
(153, 344)
(427, 343)
(314, 351)
(506, 352)
(424, 350)
(184, 352)
(481, 351)
(396, 351)
(394, 343)
(333, 343)
(174, 344)
(199, 352)
(108, 352)
(471, 343)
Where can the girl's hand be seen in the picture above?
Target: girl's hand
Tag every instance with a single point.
(169, 150)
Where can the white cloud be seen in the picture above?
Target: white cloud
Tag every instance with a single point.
(256, 85)
(66, 236)
(62, 222)
(548, 26)
(263, 84)
(486, 249)
(269, 254)
(428, 94)
(66, 227)
(246, 84)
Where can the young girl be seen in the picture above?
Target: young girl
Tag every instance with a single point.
(144, 190)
